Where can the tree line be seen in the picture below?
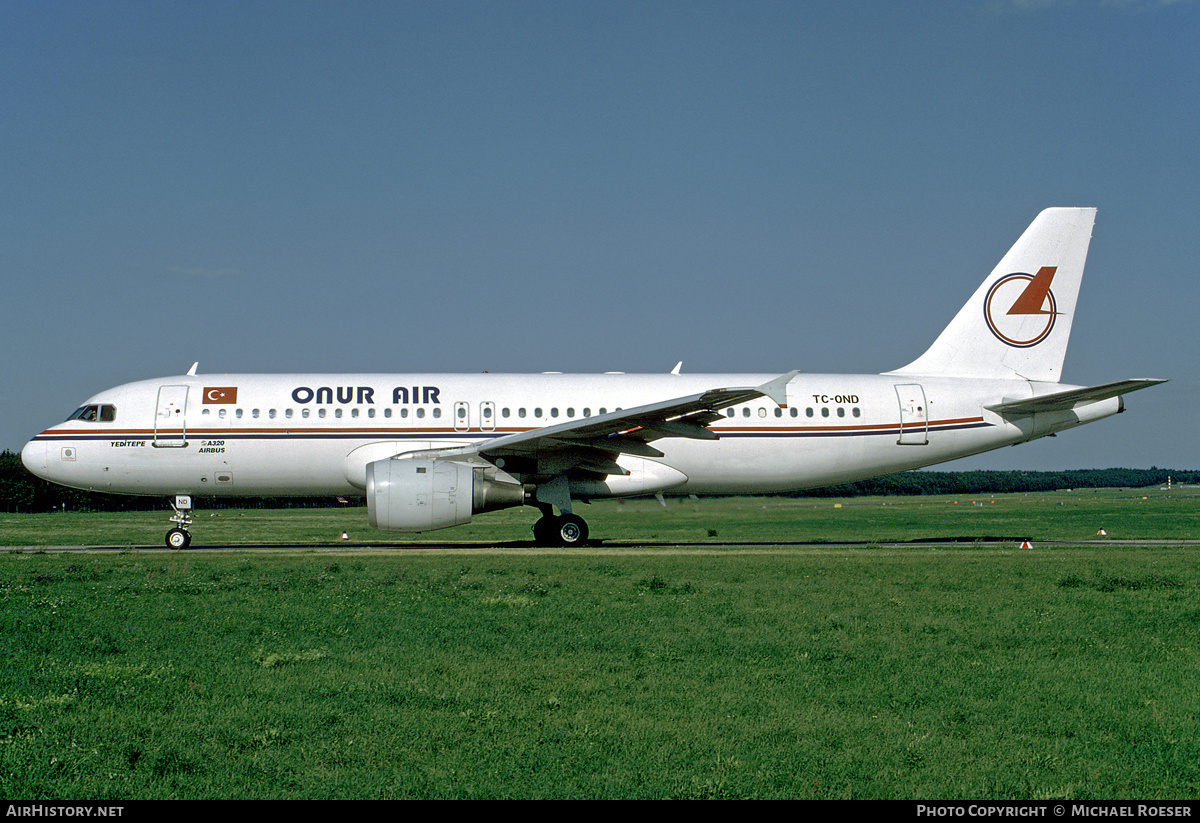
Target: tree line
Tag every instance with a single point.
(21, 491)
(999, 482)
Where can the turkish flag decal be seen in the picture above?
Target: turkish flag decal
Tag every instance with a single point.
(220, 394)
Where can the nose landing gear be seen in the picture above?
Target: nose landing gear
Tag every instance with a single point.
(179, 537)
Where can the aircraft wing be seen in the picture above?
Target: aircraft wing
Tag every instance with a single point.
(1062, 400)
(593, 443)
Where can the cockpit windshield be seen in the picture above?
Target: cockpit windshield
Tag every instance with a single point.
(102, 413)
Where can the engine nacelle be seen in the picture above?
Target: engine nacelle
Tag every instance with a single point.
(420, 495)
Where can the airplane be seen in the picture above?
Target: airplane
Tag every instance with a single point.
(430, 451)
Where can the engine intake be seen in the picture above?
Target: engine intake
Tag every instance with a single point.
(419, 495)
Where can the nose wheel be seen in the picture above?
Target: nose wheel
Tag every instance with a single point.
(179, 537)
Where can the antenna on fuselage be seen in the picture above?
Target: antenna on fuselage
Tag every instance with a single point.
(192, 371)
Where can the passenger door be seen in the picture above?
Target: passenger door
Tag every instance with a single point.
(170, 425)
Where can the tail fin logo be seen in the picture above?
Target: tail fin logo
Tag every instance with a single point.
(1020, 308)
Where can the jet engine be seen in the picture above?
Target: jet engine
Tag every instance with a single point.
(419, 495)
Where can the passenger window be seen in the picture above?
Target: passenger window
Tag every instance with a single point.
(825, 412)
(841, 412)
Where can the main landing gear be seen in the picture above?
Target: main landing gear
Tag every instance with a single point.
(179, 537)
(564, 530)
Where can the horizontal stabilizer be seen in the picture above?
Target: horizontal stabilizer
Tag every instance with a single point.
(1059, 401)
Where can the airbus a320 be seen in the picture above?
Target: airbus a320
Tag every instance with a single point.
(431, 451)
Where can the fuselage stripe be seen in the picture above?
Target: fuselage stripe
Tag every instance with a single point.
(477, 434)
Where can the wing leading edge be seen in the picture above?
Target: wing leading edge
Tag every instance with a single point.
(593, 444)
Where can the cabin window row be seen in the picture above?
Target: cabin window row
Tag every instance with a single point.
(461, 413)
(554, 412)
(419, 413)
(288, 414)
(795, 412)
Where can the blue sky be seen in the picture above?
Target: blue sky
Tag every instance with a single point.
(526, 186)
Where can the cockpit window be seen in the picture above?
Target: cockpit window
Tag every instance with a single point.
(102, 413)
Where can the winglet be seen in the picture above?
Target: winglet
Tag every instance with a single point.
(777, 389)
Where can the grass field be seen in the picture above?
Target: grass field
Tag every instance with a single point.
(1064, 516)
(742, 668)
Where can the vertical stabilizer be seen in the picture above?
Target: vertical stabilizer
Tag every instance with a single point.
(1017, 323)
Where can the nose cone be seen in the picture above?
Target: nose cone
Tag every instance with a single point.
(34, 457)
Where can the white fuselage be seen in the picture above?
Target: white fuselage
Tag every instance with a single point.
(429, 451)
(314, 434)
